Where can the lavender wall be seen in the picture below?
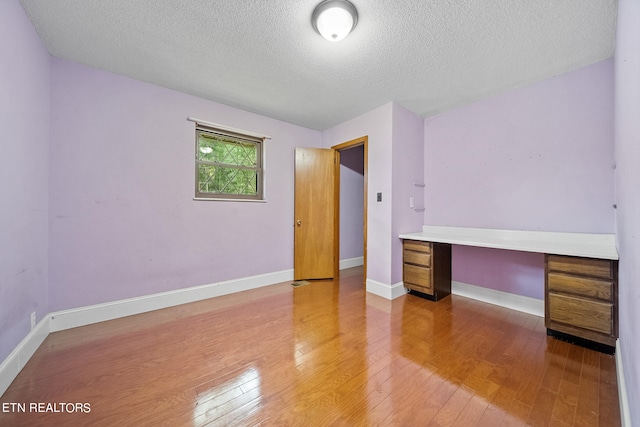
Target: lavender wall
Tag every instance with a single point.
(377, 125)
(24, 170)
(394, 163)
(123, 219)
(627, 153)
(352, 203)
(535, 158)
(408, 168)
(519, 273)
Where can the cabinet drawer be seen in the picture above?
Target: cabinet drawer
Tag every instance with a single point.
(419, 258)
(421, 276)
(593, 315)
(417, 245)
(583, 266)
(581, 286)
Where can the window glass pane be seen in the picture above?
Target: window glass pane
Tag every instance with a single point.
(226, 150)
(227, 180)
(228, 166)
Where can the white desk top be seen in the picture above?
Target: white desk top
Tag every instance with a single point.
(601, 246)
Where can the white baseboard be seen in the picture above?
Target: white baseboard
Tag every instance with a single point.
(491, 296)
(82, 316)
(351, 262)
(385, 291)
(18, 358)
(503, 299)
(625, 414)
(398, 290)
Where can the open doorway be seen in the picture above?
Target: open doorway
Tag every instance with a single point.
(353, 203)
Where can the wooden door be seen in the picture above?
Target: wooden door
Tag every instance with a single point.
(316, 214)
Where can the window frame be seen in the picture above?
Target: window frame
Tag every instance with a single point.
(237, 135)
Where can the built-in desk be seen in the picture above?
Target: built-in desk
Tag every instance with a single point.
(581, 274)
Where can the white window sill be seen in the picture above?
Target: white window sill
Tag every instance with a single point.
(212, 199)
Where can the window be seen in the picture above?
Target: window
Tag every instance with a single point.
(229, 165)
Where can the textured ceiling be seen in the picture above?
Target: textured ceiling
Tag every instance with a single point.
(263, 55)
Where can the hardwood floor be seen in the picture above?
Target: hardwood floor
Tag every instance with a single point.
(322, 354)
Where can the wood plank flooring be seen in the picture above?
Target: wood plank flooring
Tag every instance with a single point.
(322, 354)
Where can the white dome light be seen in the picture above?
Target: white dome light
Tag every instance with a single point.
(334, 19)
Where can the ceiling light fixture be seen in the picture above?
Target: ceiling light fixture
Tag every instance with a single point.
(334, 19)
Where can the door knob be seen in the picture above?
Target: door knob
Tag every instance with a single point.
(299, 223)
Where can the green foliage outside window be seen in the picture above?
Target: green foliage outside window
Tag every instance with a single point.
(228, 167)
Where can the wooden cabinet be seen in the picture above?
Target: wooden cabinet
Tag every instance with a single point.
(581, 298)
(426, 268)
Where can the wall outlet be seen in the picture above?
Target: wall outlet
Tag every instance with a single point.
(33, 320)
(412, 202)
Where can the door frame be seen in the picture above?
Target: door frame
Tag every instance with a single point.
(361, 141)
